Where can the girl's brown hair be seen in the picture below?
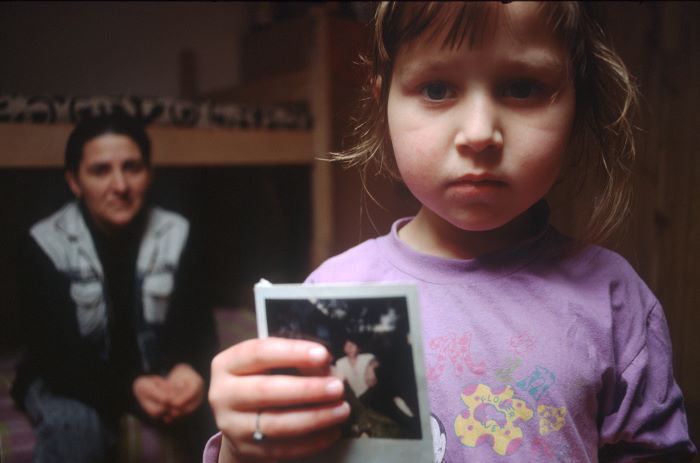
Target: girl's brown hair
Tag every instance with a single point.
(602, 144)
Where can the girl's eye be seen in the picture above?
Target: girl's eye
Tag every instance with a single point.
(521, 89)
(437, 91)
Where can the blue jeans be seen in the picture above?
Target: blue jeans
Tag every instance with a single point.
(68, 430)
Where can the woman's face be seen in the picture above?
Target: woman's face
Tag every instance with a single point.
(350, 349)
(112, 180)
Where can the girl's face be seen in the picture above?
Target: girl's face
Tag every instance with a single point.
(479, 134)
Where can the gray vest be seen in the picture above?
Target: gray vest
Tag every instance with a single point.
(66, 240)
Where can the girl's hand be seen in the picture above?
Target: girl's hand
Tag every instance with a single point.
(298, 414)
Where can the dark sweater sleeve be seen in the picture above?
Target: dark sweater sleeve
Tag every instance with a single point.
(55, 351)
(190, 335)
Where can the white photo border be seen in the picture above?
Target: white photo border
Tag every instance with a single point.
(362, 450)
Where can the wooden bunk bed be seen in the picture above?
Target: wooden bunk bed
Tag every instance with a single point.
(317, 72)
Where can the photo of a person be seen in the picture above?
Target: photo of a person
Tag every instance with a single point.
(370, 343)
(377, 409)
(356, 368)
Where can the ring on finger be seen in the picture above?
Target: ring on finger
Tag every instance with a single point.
(258, 435)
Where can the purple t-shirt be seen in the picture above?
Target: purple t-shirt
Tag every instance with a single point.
(535, 355)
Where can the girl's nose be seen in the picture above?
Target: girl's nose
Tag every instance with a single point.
(479, 126)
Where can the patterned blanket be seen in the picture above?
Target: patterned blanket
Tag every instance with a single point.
(42, 109)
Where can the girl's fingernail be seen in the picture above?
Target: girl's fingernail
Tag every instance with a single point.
(334, 387)
(342, 409)
(317, 353)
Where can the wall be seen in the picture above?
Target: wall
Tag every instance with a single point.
(114, 48)
(662, 46)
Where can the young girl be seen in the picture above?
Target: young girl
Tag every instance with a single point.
(538, 348)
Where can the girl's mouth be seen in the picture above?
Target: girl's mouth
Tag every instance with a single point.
(476, 186)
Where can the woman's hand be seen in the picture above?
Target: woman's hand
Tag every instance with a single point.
(176, 395)
(298, 414)
(153, 394)
(186, 391)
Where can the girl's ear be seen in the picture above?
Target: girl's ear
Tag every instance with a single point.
(377, 88)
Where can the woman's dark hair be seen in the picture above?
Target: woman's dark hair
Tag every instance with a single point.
(93, 126)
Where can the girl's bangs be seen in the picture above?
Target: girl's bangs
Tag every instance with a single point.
(457, 23)
(452, 22)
